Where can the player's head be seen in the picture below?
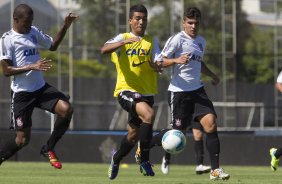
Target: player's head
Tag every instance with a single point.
(191, 21)
(23, 17)
(138, 19)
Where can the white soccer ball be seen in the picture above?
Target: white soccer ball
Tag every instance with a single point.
(173, 141)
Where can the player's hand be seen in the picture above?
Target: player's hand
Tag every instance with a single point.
(42, 65)
(132, 40)
(70, 18)
(183, 59)
(157, 66)
(215, 80)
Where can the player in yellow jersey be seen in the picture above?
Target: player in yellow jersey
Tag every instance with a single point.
(135, 55)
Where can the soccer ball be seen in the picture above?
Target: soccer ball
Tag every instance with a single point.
(173, 141)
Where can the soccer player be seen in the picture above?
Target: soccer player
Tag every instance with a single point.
(134, 54)
(274, 152)
(187, 97)
(20, 59)
(197, 131)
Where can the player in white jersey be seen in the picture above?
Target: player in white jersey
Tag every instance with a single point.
(187, 98)
(276, 153)
(20, 59)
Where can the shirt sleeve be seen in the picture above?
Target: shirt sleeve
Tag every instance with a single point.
(6, 48)
(171, 46)
(156, 54)
(44, 40)
(115, 39)
(279, 78)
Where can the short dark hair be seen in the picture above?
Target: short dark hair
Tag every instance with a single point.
(192, 12)
(22, 10)
(137, 8)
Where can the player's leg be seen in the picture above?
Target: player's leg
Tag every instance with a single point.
(156, 141)
(181, 115)
(22, 105)
(14, 145)
(139, 116)
(165, 163)
(205, 114)
(213, 146)
(126, 145)
(146, 114)
(275, 155)
(199, 148)
(56, 102)
(64, 112)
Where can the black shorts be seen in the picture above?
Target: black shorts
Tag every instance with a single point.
(23, 103)
(128, 100)
(187, 106)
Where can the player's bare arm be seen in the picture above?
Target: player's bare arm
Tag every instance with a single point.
(110, 47)
(279, 86)
(61, 34)
(183, 59)
(205, 70)
(9, 69)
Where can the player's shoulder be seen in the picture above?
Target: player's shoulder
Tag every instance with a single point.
(201, 38)
(35, 29)
(7, 35)
(148, 37)
(178, 37)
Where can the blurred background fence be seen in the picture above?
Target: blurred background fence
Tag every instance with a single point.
(243, 48)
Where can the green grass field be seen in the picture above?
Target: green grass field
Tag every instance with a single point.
(78, 173)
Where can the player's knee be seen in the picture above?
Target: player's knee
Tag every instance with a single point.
(132, 138)
(148, 116)
(210, 127)
(69, 112)
(22, 141)
(65, 111)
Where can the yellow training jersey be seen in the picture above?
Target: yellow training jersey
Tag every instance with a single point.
(134, 72)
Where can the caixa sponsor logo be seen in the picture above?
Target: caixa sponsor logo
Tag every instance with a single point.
(30, 52)
(138, 52)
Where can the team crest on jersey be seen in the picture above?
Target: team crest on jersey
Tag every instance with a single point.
(178, 122)
(33, 38)
(19, 122)
(200, 46)
(136, 95)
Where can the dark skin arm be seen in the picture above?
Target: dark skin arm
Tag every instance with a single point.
(61, 34)
(42, 64)
(9, 70)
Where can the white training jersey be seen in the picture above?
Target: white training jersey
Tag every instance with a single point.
(156, 49)
(279, 78)
(22, 49)
(185, 77)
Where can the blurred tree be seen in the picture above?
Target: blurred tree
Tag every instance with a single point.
(257, 59)
(82, 68)
(99, 26)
